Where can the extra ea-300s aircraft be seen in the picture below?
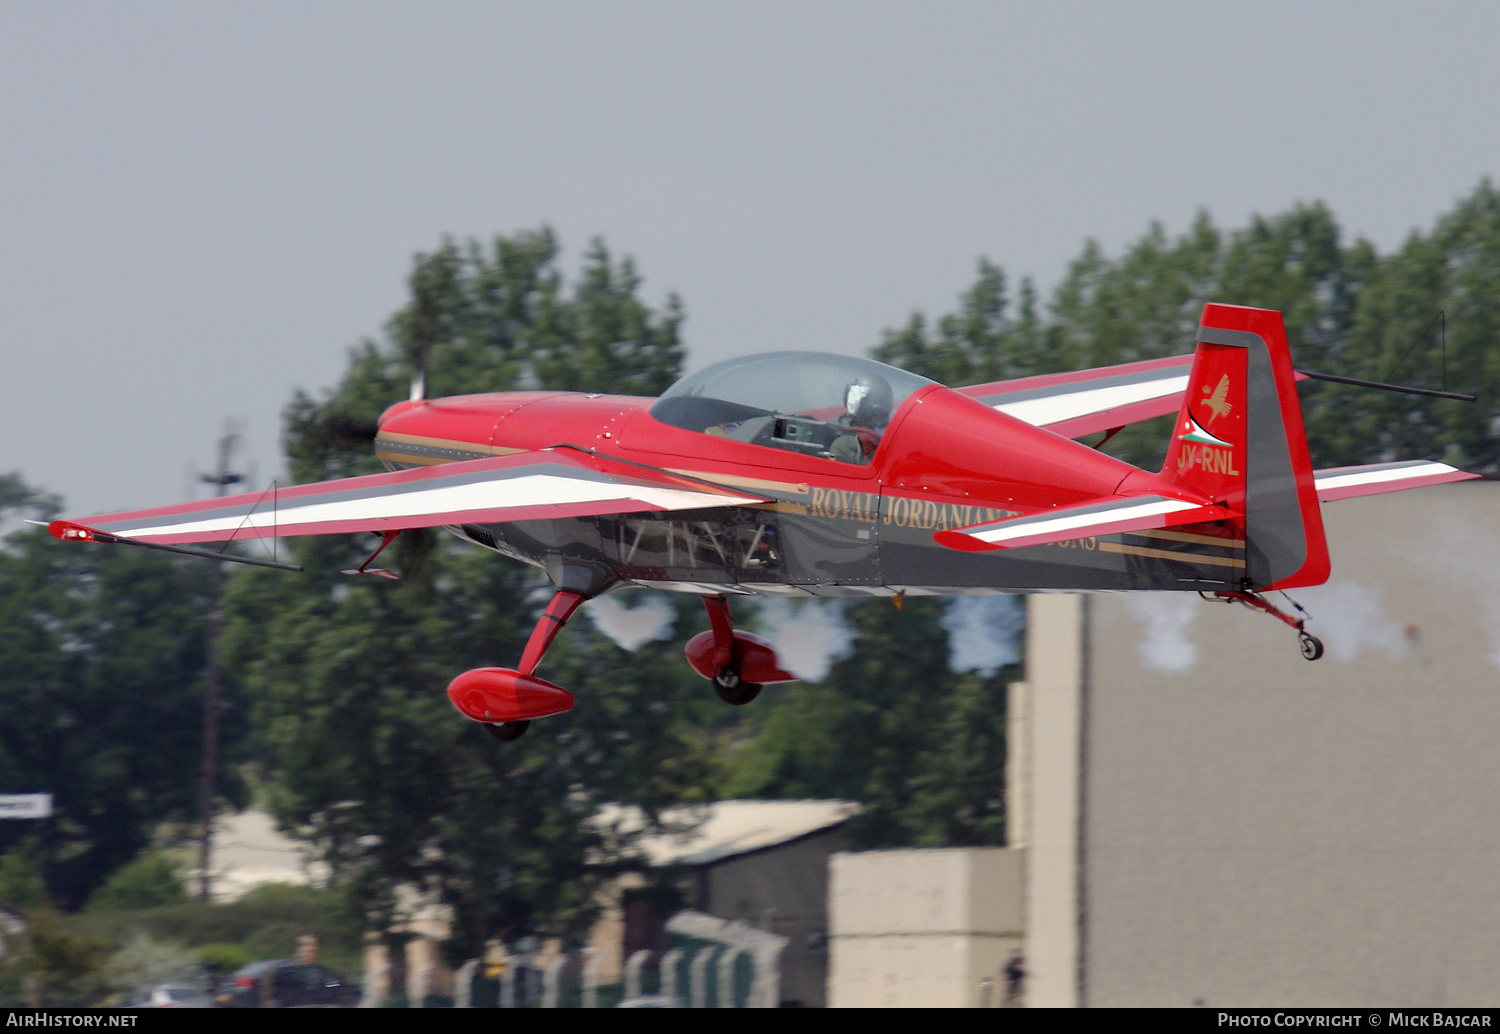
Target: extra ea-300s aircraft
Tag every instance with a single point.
(799, 473)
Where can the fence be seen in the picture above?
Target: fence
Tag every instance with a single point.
(710, 963)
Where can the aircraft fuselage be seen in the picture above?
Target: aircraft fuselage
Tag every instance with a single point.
(828, 528)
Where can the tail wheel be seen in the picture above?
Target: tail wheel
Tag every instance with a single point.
(507, 732)
(734, 690)
(1312, 646)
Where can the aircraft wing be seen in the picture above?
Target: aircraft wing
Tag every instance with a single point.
(1098, 517)
(558, 482)
(1087, 401)
(1348, 482)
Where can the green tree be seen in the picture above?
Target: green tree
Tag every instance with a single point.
(1454, 269)
(1142, 306)
(1297, 264)
(1348, 311)
(604, 338)
(364, 752)
(22, 887)
(980, 342)
(491, 318)
(100, 697)
(54, 965)
(149, 880)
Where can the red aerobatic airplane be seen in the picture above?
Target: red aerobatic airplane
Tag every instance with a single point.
(797, 474)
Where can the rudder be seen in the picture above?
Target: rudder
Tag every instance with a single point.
(1239, 439)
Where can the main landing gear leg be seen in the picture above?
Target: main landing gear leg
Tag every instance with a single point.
(738, 663)
(729, 683)
(507, 699)
(548, 625)
(1312, 646)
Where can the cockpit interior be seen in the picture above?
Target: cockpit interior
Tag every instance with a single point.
(831, 406)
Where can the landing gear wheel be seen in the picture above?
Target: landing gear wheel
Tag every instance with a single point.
(1312, 646)
(507, 732)
(734, 690)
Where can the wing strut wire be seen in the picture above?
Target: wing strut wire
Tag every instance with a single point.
(70, 531)
(272, 491)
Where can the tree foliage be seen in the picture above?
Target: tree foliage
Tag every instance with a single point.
(350, 698)
(352, 734)
(149, 880)
(100, 695)
(1348, 311)
(365, 754)
(496, 317)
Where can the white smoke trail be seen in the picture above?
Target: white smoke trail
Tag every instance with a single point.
(1349, 616)
(984, 632)
(1168, 616)
(630, 627)
(808, 635)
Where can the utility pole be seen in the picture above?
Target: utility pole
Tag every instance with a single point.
(221, 479)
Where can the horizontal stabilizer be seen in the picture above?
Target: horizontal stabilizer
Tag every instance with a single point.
(1086, 401)
(1375, 478)
(1099, 517)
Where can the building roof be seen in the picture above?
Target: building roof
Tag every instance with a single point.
(249, 850)
(725, 829)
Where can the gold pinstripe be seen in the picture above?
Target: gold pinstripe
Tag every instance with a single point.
(1187, 536)
(1167, 554)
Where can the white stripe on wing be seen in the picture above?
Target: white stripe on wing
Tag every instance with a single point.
(522, 491)
(1026, 527)
(1349, 479)
(1069, 405)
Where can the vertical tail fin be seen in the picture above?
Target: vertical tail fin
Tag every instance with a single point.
(1239, 439)
(1209, 441)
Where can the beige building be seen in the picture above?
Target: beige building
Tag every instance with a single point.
(249, 852)
(1212, 820)
(923, 928)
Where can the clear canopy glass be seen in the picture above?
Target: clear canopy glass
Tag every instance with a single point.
(832, 406)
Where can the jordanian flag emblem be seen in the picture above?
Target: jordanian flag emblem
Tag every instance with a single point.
(1199, 436)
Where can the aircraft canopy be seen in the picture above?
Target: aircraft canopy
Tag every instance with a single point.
(834, 406)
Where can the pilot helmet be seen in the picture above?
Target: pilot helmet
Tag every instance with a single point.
(867, 401)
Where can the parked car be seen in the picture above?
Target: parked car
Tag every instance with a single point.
(282, 983)
(168, 996)
(649, 1002)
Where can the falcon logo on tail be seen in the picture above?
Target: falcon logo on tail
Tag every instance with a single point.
(1218, 403)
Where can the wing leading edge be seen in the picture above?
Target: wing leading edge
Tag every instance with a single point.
(551, 483)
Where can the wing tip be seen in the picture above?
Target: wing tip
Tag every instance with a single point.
(71, 531)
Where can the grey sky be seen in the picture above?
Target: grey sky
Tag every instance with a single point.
(203, 205)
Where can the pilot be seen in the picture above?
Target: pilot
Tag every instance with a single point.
(867, 409)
